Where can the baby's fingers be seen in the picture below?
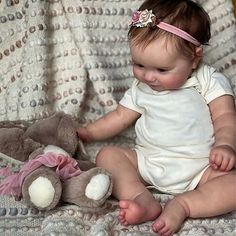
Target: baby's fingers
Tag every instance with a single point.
(224, 164)
(231, 164)
(83, 134)
(215, 161)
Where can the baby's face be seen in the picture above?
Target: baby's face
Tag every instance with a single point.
(160, 66)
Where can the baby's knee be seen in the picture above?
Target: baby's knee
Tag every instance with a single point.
(103, 154)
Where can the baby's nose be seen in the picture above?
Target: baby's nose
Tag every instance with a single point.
(150, 76)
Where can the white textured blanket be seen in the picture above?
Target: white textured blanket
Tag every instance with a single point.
(18, 220)
(72, 55)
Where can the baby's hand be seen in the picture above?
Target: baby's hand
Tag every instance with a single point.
(84, 134)
(222, 158)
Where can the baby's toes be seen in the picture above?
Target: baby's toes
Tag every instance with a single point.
(125, 223)
(121, 214)
(122, 220)
(158, 226)
(166, 232)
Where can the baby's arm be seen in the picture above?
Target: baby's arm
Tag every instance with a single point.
(109, 125)
(223, 152)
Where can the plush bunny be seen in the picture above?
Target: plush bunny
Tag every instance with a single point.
(50, 174)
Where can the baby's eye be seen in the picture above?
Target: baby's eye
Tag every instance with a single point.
(162, 70)
(138, 65)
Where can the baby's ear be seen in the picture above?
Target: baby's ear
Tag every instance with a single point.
(197, 57)
(199, 51)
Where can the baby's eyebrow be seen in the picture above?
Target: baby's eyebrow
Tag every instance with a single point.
(133, 60)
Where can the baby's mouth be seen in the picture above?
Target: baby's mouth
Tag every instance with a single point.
(156, 87)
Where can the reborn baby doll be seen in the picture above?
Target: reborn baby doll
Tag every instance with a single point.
(50, 174)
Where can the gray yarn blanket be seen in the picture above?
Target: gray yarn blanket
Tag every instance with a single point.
(73, 56)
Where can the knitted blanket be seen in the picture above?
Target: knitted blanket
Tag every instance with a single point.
(18, 220)
(73, 56)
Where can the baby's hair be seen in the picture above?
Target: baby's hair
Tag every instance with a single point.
(184, 14)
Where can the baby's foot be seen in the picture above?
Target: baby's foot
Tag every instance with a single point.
(132, 212)
(170, 219)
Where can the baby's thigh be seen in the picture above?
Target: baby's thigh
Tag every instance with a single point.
(210, 174)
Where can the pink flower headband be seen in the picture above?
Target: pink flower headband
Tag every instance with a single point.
(147, 18)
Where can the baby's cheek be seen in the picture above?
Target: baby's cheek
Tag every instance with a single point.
(137, 73)
(174, 83)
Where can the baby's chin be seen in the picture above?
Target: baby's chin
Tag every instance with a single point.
(158, 88)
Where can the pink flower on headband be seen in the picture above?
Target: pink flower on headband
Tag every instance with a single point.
(143, 18)
(135, 17)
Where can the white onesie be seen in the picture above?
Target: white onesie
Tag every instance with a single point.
(175, 132)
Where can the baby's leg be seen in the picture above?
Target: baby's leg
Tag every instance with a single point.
(137, 205)
(213, 196)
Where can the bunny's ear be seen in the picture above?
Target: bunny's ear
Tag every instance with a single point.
(58, 129)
